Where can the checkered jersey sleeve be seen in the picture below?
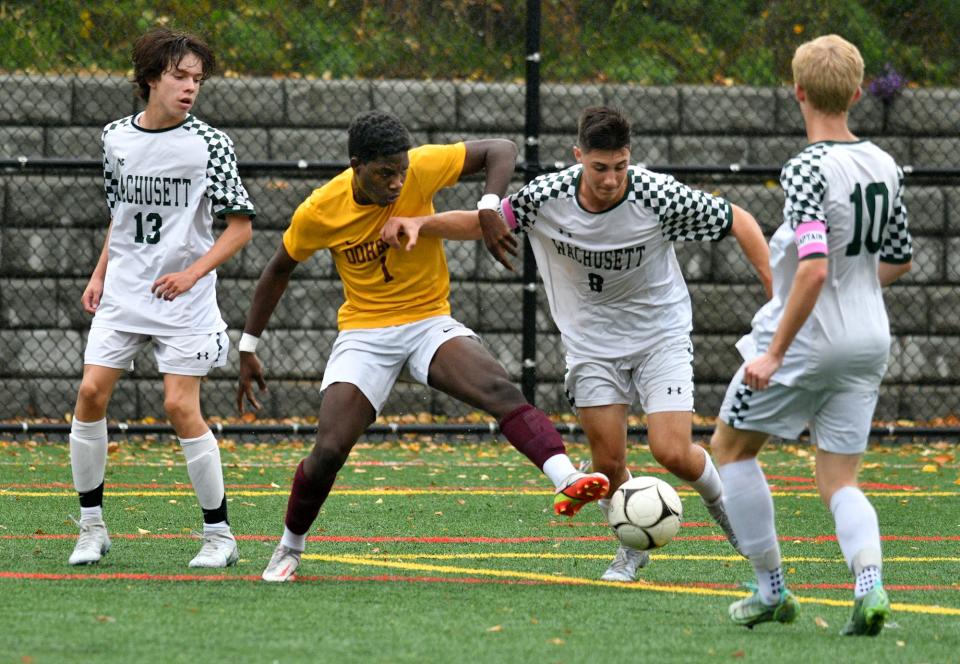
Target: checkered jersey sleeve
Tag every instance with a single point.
(685, 214)
(526, 203)
(224, 187)
(897, 245)
(803, 185)
(111, 184)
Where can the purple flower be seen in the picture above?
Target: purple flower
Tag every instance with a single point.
(887, 85)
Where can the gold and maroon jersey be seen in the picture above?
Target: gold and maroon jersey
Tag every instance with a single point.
(382, 286)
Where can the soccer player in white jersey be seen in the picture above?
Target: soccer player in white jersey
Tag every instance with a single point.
(818, 350)
(602, 232)
(166, 175)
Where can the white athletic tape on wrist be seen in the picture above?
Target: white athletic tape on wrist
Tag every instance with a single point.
(489, 202)
(248, 343)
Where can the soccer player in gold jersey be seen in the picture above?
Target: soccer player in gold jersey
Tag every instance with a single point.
(396, 314)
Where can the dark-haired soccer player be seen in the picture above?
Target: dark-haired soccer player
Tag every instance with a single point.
(603, 233)
(395, 315)
(166, 175)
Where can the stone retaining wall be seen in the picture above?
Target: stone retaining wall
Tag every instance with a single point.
(52, 225)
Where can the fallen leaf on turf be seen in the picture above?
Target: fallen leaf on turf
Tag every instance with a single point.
(273, 484)
(248, 504)
(821, 623)
(901, 643)
(142, 531)
(930, 468)
(379, 501)
(557, 642)
(106, 619)
(113, 448)
(26, 659)
(359, 470)
(172, 502)
(737, 653)
(495, 628)
(438, 513)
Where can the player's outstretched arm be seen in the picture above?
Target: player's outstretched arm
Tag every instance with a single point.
(498, 158)
(238, 232)
(809, 280)
(453, 225)
(94, 290)
(890, 272)
(270, 288)
(747, 232)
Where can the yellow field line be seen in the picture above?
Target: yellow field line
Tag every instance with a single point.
(574, 580)
(605, 556)
(22, 493)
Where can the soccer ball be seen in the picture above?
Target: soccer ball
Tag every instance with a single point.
(645, 513)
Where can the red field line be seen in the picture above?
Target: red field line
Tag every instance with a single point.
(352, 539)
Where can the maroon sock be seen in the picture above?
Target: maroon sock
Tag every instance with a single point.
(533, 434)
(306, 497)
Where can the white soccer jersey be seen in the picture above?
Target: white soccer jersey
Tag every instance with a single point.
(612, 279)
(856, 190)
(163, 188)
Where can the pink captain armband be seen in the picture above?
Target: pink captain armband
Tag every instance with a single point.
(507, 213)
(811, 239)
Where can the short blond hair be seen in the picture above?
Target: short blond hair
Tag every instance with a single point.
(830, 70)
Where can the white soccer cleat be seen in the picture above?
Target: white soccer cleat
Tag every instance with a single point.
(219, 550)
(93, 543)
(626, 564)
(283, 563)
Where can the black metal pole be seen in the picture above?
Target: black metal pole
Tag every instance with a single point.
(528, 376)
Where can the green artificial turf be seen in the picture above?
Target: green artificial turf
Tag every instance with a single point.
(424, 554)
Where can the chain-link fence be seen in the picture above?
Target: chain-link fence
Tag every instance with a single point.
(58, 91)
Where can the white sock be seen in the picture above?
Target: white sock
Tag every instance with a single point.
(293, 541)
(558, 468)
(204, 469)
(866, 580)
(215, 527)
(91, 513)
(749, 505)
(88, 453)
(858, 533)
(604, 505)
(708, 485)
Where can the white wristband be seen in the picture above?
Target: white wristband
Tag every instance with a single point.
(248, 343)
(489, 202)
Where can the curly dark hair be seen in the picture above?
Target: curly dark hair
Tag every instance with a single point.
(375, 134)
(602, 128)
(160, 49)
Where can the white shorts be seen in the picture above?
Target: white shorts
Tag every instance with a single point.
(662, 380)
(373, 358)
(187, 355)
(839, 421)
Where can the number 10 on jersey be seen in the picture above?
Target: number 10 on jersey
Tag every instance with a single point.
(874, 193)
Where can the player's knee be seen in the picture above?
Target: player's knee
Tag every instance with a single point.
(179, 408)
(91, 397)
(329, 454)
(672, 457)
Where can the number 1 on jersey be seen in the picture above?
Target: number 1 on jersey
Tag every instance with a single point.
(387, 277)
(877, 222)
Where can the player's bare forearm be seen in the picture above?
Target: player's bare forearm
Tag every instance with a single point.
(452, 225)
(497, 157)
(90, 299)
(747, 233)
(890, 272)
(270, 288)
(807, 284)
(238, 232)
